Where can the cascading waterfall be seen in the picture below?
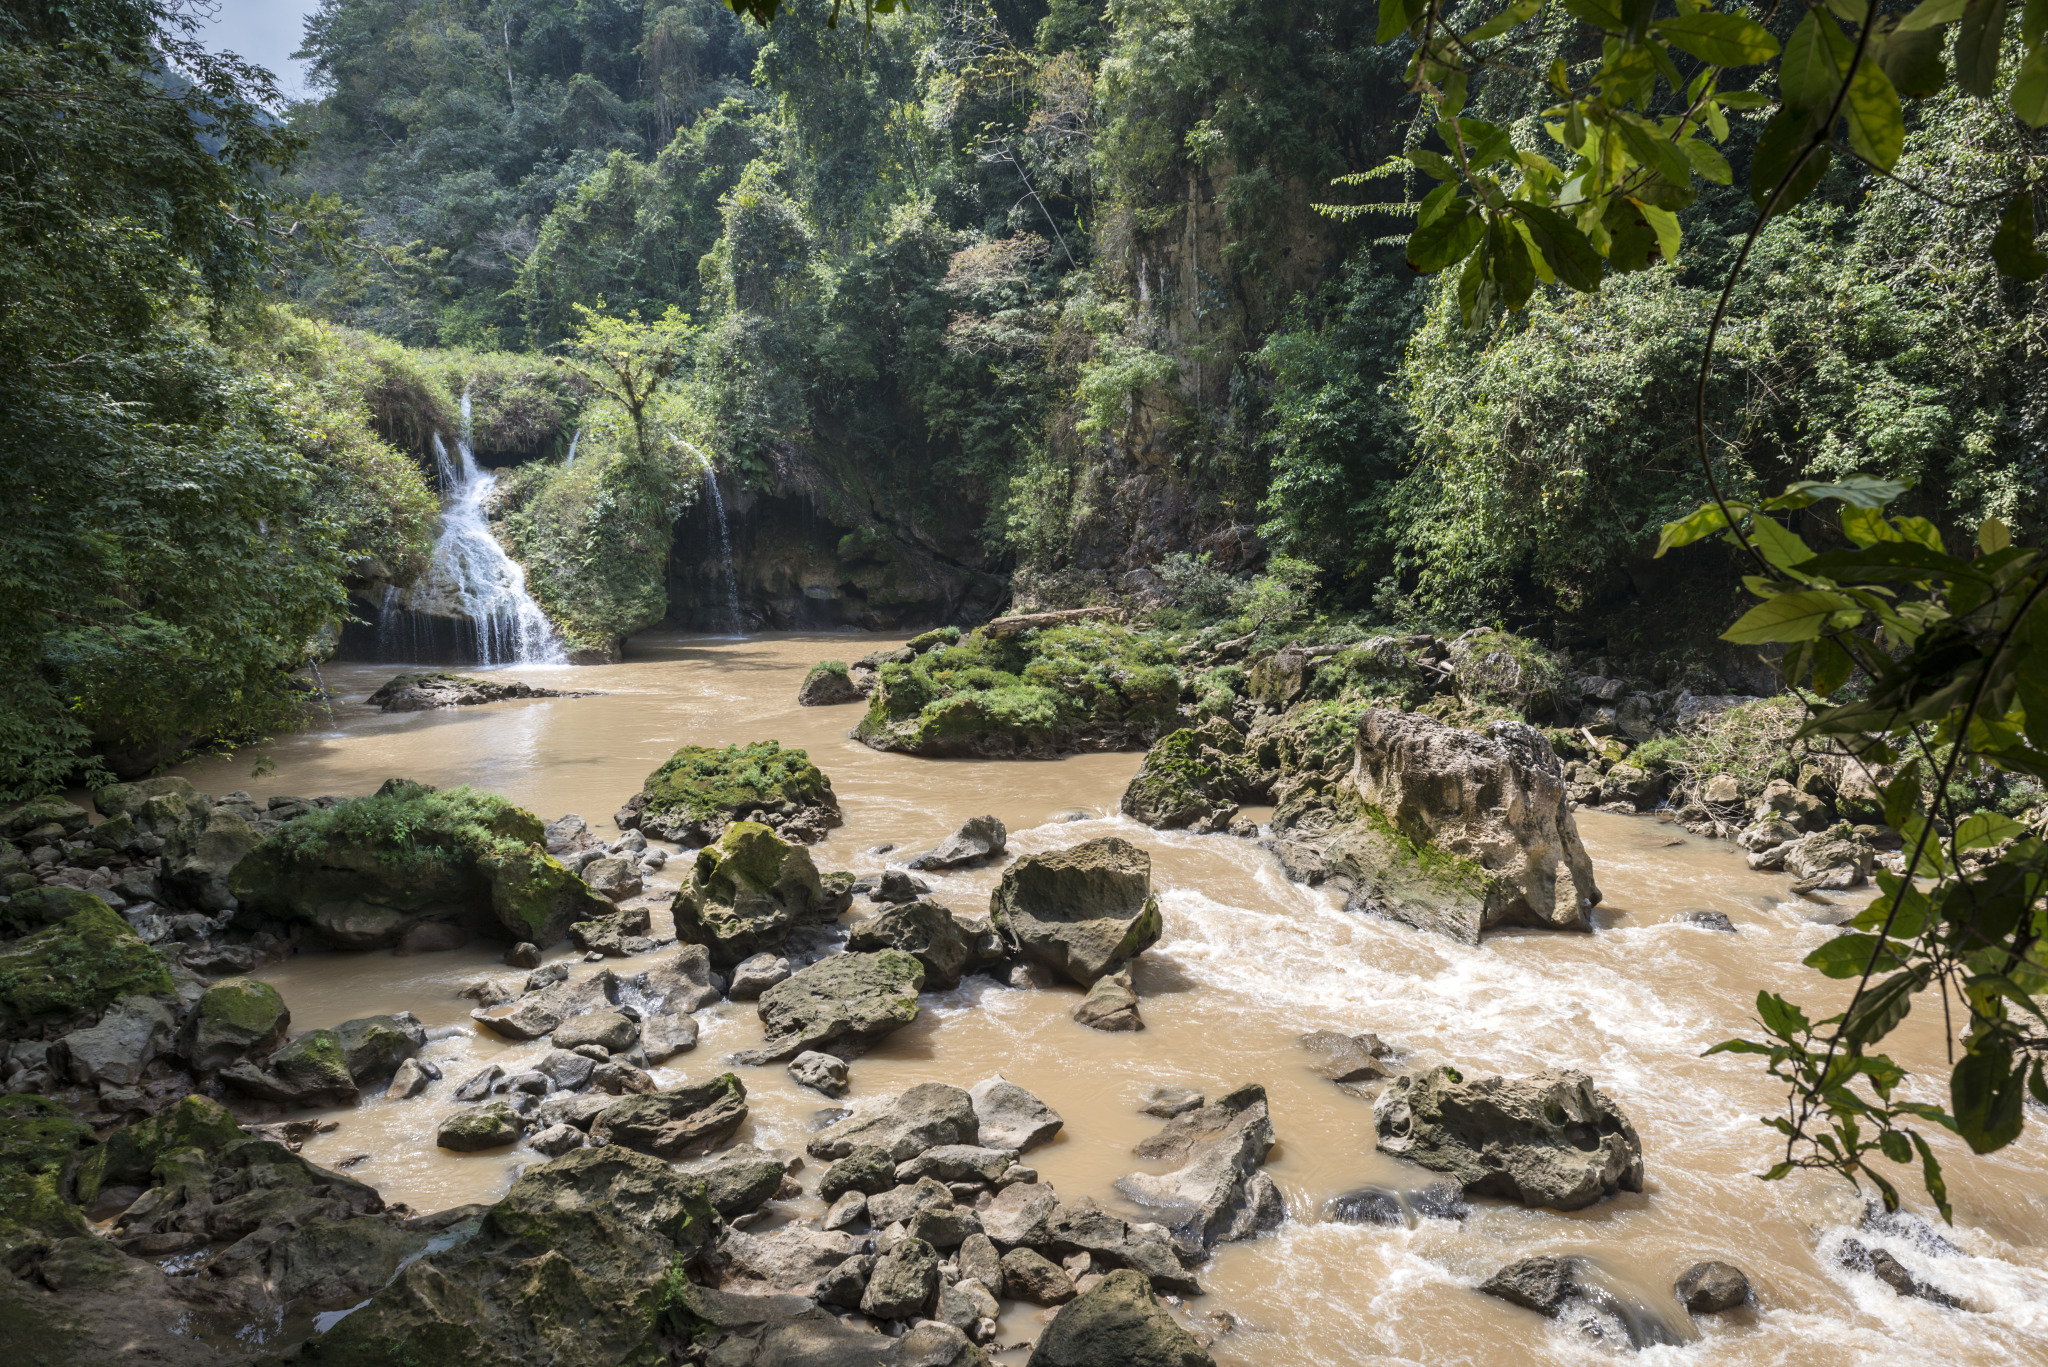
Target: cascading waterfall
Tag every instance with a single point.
(571, 458)
(732, 579)
(471, 579)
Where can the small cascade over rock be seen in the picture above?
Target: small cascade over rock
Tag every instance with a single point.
(732, 581)
(471, 606)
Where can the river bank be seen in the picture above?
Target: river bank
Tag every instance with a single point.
(1248, 963)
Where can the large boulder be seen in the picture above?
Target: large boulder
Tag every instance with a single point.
(1217, 1192)
(374, 1046)
(1010, 1117)
(72, 970)
(981, 838)
(425, 692)
(199, 857)
(928, 933)
(1193, 777)
(1117, 1323)
(1553, 1139)
(1452, 831)
(829, 684)
(474, 1129)
(746, 893)
(1082, 911)
(676, 1122)
(701, 790)
(904, 1283)
(113, 1053)
(236, 1017)
(840, 1005)
(739, 1179)
(924, 1117)
(367, 872)
(1559, 1288)
(310, 1070)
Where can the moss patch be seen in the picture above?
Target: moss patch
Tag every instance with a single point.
(40, 1145)
(703, 784)
(75, 969)
(129, 1154)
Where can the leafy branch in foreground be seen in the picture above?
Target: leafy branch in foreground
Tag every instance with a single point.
(1634, 128)
(1954, 651)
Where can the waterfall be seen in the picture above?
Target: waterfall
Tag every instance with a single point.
(571, 460)
(732, 579)
(471, 578)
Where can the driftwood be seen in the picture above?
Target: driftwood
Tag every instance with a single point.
(1002, 628)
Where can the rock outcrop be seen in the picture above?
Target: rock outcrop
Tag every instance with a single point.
(1083, 911)
(746, 893)
(840, 1005)
(424, 692)
(68, 973)
(1553, 1139)
(700, 791)
(1218, 1193)
(1452, 831)
(1008, 1117)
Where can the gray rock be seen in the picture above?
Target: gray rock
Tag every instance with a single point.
(1030, 1276)
(676, 1122)
(746, 893)
(846, 1001)
(904, 1283)
(849, 1210)
(1558, 1287)
(614, 877)
(607, 1029)
(845, 1284)
(1366, 1206)
(1711, 1287)
(982, 838)
(407, 1082)
(1549, 1140)
(1111, 1004)
(866, 1168)
(1829, 861)
(958, 1163)
(1021, 1215)
(556, 1139)
(523, 955)
(663, 1037)
(980, 1261)
(924, 1117)
(1881, 1264)
(739, 1179)
(1345, 1058)
(1118, 1322)
(480, 1084)
(927, 932)
(943, 1226)
(820, 1072)
(489, 1126)
(791, 1259)
(1008, 1117)
(900, 1204)
(828, 688)
(1168, 1102)
(309, 1070)
(897, 886)
(621, 1079)
(375, 1045)
(678, 984)
(964, 1303)
(1082, 912)
(1706, 920)
(134, 1030)
(751, 977)
(1025, 975)
(1217, 1193)
(570, 1109)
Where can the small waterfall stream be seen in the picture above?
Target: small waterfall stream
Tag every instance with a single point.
(732, 579)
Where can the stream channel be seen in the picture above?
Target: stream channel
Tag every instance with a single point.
(1248, 963)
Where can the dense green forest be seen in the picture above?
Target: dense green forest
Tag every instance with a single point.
(978, 304)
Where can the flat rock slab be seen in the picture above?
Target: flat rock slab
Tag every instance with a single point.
(924, 1117)
(424, 692)
(1217, 1193)
(845, 1002)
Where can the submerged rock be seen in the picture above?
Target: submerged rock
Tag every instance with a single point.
(842, 1003)
(1563, 1288)
(423, 692)
(1217, 1193)
(1711, 1287)
(1117, 1323)
(1346, 1058)
(1110, 1005)
(746, 893)
(1082, 911)
(830, 684)
(1553, 1139)
(981, 838)
(701, 791)
(1452, 831)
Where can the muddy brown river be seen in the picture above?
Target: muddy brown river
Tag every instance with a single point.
(1247, 964)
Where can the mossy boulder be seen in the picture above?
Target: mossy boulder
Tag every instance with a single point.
(23, 817)
(701, 790)
(1119, 1323)
(365, 872)
(70, 972)
(41, 1147)
(926, 931)
(1194, 777)
(680, 1121)
(1085, 686)
(745, 894)
(200, 857)
(130, 1154)
(473, 1129)
(1082, 911)
(236, 1017)
(310, 1070)
(374, 1046)
(828, 684)
(843, 1003)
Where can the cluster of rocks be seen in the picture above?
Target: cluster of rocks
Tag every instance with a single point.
(618, 872)
(831, 683)
(424, 692)
(1574, 1290)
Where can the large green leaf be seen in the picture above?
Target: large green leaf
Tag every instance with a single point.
(1788, 617)
(1986, 1094)
(2030, 89)
(1977, 40)
(2012, 246)
(1849, 956)
(1781, 1017)
(1604, 14)
(1701, 522)
(2034, 22)
(1447, 239)
(1985, 829)
(1877, 128)
(1810, 73)
(1931, 14)
(1719, 39)
(1565, 249)
(1505, 20)
(1878, 1011)
(1655, 152)
(1396, 16)
(1913, 60)
(1708, 161)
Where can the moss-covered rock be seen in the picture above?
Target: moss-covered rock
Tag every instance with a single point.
(1087, 686)
(1194, 777)
(682, 1120)
(846, 1001)
(199, 857)
(701, 790)
(828, 684)
(473, 1129)
(40, 1150)
(23, 817)
(68, 973)
(745, 894)
(235, 1018)
(1119, 1323)
(364, 872)
(927, 932)
(310, 1070)
(130, 1154)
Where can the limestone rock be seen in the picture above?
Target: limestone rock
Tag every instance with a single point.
(924, 930)
(1110, 1005)
(1168, 1102)
(489, 1126)
(1009, 1117)
(1217, 1193)
(663, 1037)
(1117, 1323)
(1030, 1276)
(1345, 1058)
(701, 791)
(924, 1117)
(556, 1139)
(613, 877)
(981, 1262)
(374, 1046)
(1082, 911)
(680, 983)
(236, 1017)
(424, 692)
(739, 1179)
(821, 1072)
(1194, 777)
(113, 1053)
(904, 1283)
(958, 1163)
(1021, 1215)
(608, 1030)
(828, 685)
(866, 1168)
(408, 1081)
(745, 894)
(756, 975)
(845, 1003)
(1549, 1140)
(901, 1204)
(982, 838)
(678, 1121)
(1711, 1287)
(792, 1259)
(198, 862)
(1831, 860)
(617, 935)
(1552, 1287)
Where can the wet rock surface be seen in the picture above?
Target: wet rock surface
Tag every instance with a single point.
(842, 1003)
(976, 842)
(746, 893)
(1119, 1323)
(1083, 911)
(1569, 1289)
(1217, 1193)
(424, 692)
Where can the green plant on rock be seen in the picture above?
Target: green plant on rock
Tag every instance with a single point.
(705, 782)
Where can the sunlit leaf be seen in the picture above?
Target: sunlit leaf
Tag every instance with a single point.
(1719, 39)
(1569, 255)
(1811, 73)
(1877, 128)
(1708, 161)
(1396, 17)
(1781, 1017)
(1931, 14)
(1788, 617)
(1850, 956)
(1447, 239)
(1985, 829)
(1702, 522)
(1779, 546)
(1877, 1010)
(1505, 20)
